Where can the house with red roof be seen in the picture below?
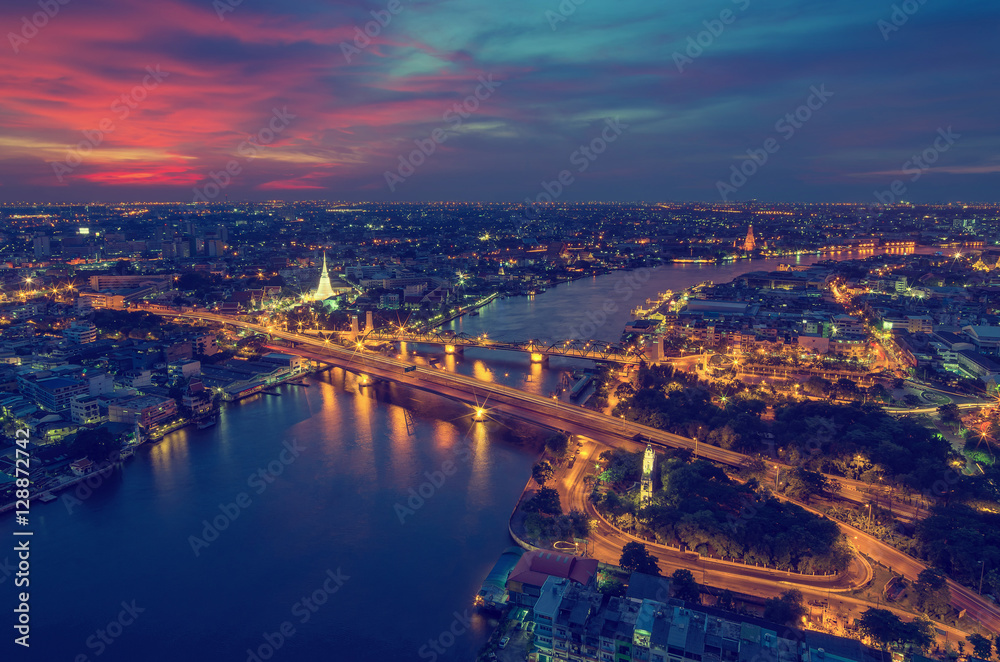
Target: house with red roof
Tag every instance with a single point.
(525, 582)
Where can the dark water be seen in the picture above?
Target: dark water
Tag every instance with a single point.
(598, 308)
(331, 508)
(319, 519)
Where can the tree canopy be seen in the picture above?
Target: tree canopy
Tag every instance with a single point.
(685, 587)
(956, 538)
(701, 507)
(545, 500)
(542, 472)
(785, 610)
(886, 630)
(636, 558)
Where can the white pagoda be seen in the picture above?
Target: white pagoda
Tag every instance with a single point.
(324, 290)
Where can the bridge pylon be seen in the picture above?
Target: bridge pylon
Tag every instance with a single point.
(540, 358)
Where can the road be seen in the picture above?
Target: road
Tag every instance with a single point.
(607, 543)
(614, 433)
(608, 540)
(534, 408)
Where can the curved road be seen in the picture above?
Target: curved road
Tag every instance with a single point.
(609, 540)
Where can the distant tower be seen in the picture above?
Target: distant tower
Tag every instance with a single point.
(749, 244)
(646, 486)
(325, 290)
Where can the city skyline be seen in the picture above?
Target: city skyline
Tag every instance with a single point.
(118, 101)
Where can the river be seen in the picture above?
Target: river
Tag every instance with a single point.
(288, 532)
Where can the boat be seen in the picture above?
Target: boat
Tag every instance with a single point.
(45, 497)
(474, 313)
(206, 423)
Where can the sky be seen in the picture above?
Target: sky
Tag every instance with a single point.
(500, 100)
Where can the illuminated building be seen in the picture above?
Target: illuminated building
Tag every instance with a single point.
(749, 244)
(325, 290)
(646, 487)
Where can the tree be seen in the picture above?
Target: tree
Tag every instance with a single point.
(816, 386)
(97, 444)
(753, 466)
(726, 601)
(949, 413)
(622, 467)
(846, 388)
(932, 594)
(918, 633)
(685, 587)
(879, 393)
(542, 472)
(546, 500)
(804, 484)
(624, 390)
(535, 525)
(981, 646)
(557, 443)
(636, 558)
(881, 626)
(611, 586)
(579, 523)
(786, 610)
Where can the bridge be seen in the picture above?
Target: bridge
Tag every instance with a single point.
(540, 351)
(531, 408)
(593, 350)
(485, 398)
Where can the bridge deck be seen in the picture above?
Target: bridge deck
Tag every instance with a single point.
(594, 350)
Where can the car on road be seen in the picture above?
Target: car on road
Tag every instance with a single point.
(503, 642)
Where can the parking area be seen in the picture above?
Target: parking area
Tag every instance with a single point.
(519, 644)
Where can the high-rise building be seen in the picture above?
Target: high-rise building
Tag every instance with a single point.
(42, 246)
(324, 290)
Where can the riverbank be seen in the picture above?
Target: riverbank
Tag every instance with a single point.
(67, 482)
(465, 311)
